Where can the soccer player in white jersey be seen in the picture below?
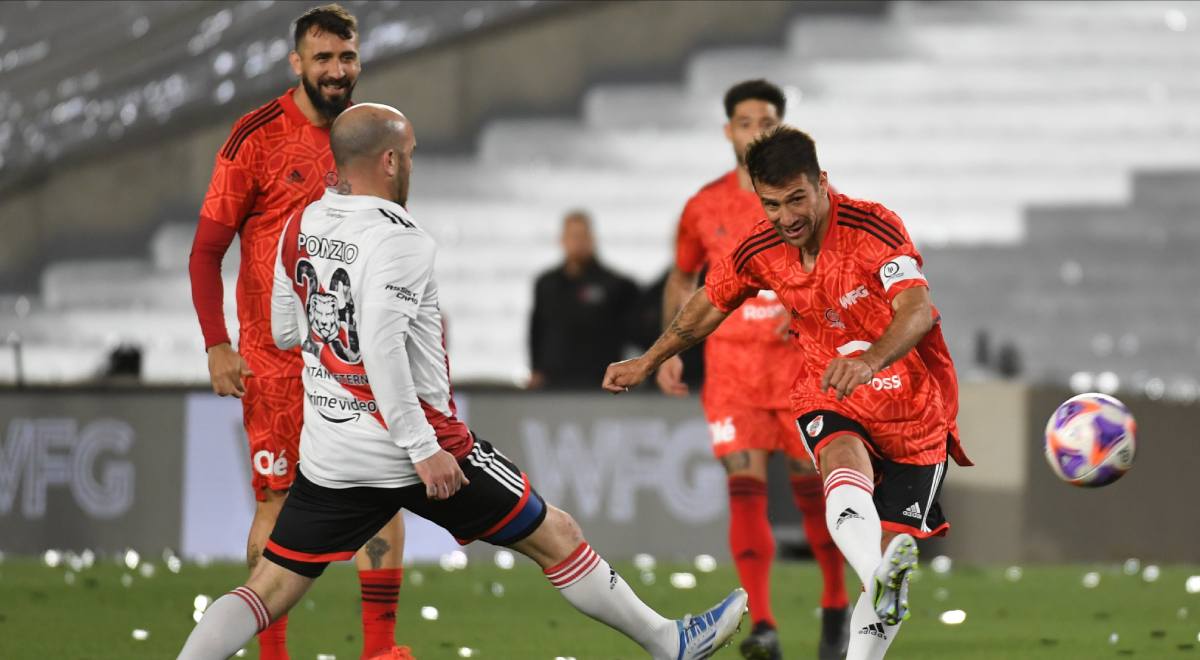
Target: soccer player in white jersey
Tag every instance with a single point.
(354, 288)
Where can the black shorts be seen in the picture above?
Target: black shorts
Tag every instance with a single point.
(906, 496)
(318, 525)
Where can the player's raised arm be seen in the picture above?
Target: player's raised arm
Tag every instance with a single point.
(726, 287)
(698, 318)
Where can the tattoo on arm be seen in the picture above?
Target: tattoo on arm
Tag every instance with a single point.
(376, 548)
(691, 325)
(683, 333)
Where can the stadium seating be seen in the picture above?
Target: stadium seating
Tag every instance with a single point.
(1010, 136)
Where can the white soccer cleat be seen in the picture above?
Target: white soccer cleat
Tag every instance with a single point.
(702, 635)
(890, 591)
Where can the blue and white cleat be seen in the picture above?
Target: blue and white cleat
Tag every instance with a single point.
(891, 579)
(702, 635)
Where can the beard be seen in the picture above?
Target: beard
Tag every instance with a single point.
(328, 108)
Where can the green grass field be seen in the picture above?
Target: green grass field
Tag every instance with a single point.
(1045, 614)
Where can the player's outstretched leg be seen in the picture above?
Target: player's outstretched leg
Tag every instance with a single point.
(850, 512)
(235, 618)
(809, 497)
(594, 588)
(380, 574)
(272, 640)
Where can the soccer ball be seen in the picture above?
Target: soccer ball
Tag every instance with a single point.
(1091, 440)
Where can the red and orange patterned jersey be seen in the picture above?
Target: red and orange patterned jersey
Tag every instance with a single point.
(713, 221)
(840, 309)
(274, 164)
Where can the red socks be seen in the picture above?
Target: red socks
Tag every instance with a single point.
(751, 543)
(380, 590)
(808, 493)
(272, 641)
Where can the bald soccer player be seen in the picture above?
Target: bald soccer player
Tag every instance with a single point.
(354, 289)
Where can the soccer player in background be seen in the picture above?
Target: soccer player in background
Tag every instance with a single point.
(275, 162)
(746, 402)
(875, 397)
(354, 288)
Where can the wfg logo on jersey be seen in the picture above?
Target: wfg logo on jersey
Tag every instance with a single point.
(850, 297)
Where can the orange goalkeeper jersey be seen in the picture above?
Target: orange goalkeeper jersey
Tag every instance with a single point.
(274, 164)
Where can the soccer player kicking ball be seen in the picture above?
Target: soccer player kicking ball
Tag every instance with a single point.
(354, 288)
(875, 397)
(275, 162)
(747, 406)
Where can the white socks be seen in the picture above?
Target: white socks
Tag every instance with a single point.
(853, 521)
(228, 624)
(854, 524)
(588, 583)
(869, 637)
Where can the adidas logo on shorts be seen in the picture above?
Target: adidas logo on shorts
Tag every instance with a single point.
(848, 514)
(913, 510)
(875, 630)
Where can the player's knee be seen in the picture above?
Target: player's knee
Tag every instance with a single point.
(844, 451)
(253, 557)
(744, 464)
(563, 527)
(735, 462)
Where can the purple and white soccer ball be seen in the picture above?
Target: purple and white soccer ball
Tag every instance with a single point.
(1091, 440)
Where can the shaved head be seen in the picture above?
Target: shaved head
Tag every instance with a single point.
(372, 147)
(366, 129)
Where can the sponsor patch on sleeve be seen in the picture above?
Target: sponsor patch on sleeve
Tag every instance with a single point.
(898, 270)
(403, 293)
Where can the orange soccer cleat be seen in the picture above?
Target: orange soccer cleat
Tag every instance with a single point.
(394, 653)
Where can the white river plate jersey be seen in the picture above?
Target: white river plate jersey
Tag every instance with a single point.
(354, 288)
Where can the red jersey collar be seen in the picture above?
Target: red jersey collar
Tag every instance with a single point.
(291, 109)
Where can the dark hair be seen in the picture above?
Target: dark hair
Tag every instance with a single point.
(578, 215)
(782, 154)
(760, 90)
(326, 18)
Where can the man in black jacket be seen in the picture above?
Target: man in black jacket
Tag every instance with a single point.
(581, 314)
